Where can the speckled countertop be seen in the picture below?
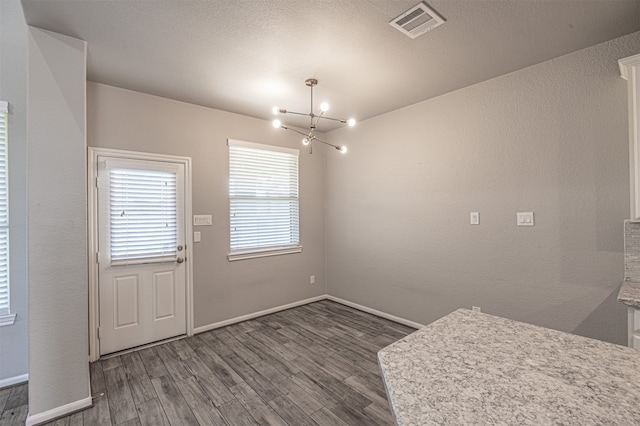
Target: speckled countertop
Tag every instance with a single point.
(470, 368)
(630, 293)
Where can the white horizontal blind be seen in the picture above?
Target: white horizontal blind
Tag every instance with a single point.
(4, 212)
(263, 194)
(143, 215)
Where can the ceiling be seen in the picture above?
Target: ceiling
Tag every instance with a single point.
(245, 56)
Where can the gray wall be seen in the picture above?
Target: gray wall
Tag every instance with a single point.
(57, 234)
(551, 139)
(13, 89)
(123, 119)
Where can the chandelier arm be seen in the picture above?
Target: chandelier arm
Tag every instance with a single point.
(297, 113)
(317, 117)
(342, 120)
(327, 143)
(294, 130)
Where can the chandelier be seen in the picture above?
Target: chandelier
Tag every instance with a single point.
(314, 118)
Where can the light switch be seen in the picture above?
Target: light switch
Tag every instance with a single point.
(197, 237)
(474, 218)
(524, 218)
(201, 219)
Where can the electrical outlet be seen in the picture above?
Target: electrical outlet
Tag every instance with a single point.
(524, 218)
(476, 308)
(312, 279)
(474, 218)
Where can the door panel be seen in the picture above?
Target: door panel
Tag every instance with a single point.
(141, 279)
(125, 301)
(163, 295)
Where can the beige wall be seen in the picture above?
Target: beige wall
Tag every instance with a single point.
(551, 139)
(128, 120)
(57, 231)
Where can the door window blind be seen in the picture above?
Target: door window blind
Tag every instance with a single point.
(4, 212)
(263, 197)
(143, 216)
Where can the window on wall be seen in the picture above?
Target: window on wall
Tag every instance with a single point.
(5, 317)
(263, 200)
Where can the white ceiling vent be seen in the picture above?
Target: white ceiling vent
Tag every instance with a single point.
(417, 20)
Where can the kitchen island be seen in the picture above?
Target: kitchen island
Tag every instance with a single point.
(473, 368)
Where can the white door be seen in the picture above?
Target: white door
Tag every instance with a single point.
(141, 240)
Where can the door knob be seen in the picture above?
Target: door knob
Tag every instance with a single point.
(179, 260)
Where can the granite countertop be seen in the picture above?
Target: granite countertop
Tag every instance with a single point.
(473, 368)
(630, 293)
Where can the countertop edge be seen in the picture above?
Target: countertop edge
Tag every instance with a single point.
(629, 293)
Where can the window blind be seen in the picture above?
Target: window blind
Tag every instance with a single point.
(263, 197)
(4, 212)
(143, 215)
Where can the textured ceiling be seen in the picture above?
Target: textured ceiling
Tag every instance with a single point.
(246, 56)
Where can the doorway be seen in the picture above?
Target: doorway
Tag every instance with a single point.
(141, 266)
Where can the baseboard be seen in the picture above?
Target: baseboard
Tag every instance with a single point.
(376, 312)
(54, 413)
(235, 320)
(14, 380)
(372, 311)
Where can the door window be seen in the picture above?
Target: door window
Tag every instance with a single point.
(143, 216)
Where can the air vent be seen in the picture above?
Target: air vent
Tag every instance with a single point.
(417, 20)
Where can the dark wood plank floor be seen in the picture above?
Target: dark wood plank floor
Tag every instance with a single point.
(311, 365)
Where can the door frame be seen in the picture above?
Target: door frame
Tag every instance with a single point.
(92, 217)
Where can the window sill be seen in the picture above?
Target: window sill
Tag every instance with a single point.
(8, 319)
(252, 254)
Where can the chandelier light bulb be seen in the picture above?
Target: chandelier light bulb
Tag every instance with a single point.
(351, 122)
(275, 110)
(343, 149)
(277, 124)
(305, 141)
(324, 107)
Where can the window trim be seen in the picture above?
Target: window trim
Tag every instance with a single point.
(257, 252)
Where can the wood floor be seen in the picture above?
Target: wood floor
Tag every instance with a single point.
(314, 364)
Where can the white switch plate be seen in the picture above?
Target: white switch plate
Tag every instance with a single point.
(524, 218)
(474, 218)
(197, 237)
(202, 219)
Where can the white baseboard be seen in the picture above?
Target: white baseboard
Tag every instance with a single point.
(372, 311)
(376, 312)
(14, 380)
(219, 324)
(54, 413)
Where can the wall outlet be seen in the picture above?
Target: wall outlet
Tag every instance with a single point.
(476, 308)
(312, 279)
(474, 218)
(524, 219)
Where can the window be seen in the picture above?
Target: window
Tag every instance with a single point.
(5, 317)
(142, 215)
(263, 200)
